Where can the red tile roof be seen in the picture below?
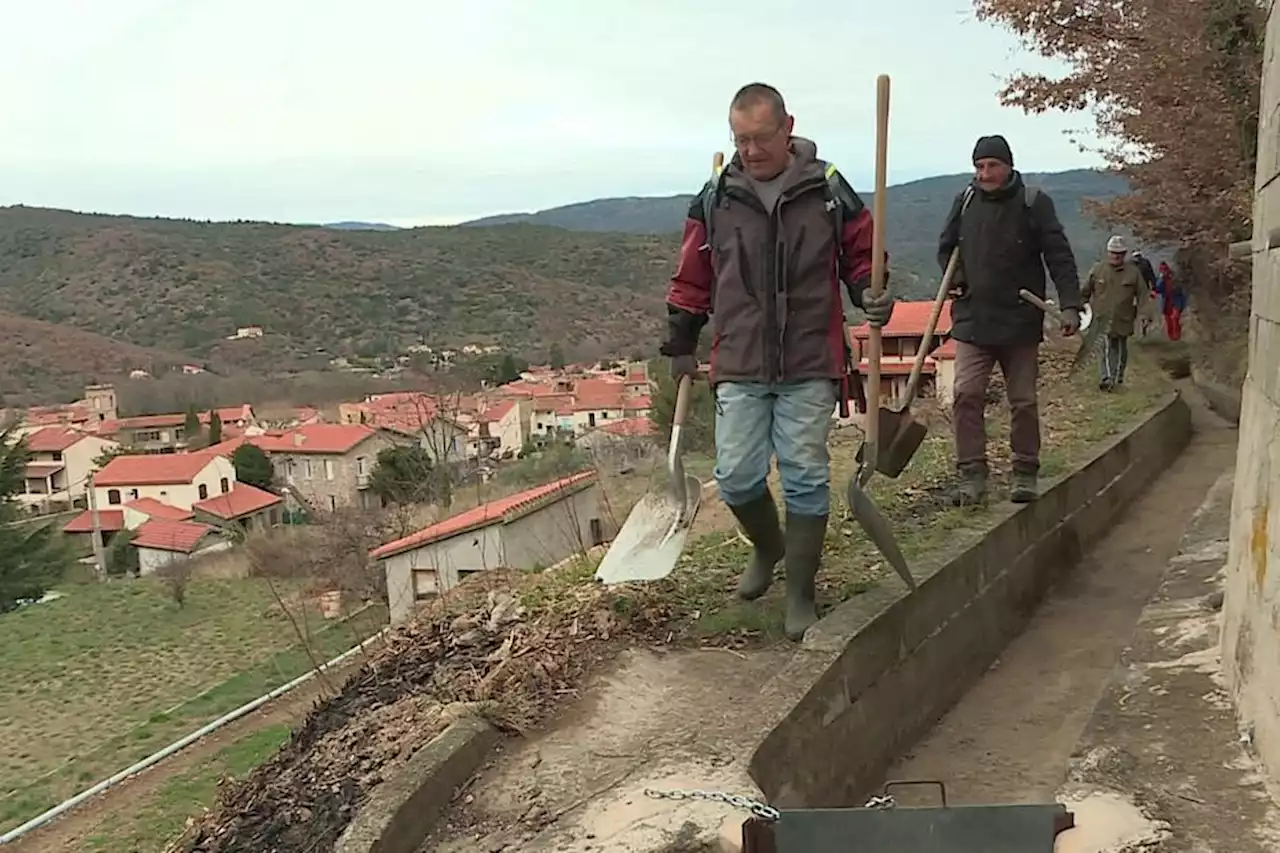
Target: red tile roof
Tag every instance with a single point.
(501, 511)
(227, 447)
(314, 438)
(152, 469)
(629, 427)
(243, 499)
(165, 535)
(909, 320)
(52, 439)
(159, 509)
(108, 519)
(498, 411)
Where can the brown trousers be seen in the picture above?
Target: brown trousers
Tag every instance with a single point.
(1021, 368)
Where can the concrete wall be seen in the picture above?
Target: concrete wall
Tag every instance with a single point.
(547, 536)
(537, 540)
(427, 571)
(1251, 629)
(879, 670)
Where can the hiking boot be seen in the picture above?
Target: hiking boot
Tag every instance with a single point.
(972, 488)
(1024, 489)
(759, 520)
(806, 535)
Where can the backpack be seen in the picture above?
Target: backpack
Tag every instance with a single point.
(836, 192)
(1029, 196)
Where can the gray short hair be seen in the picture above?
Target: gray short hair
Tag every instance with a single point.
(754, 94)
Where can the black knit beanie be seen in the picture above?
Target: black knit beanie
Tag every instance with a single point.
(995, 147)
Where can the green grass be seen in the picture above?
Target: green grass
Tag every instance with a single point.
(154, 820)
(1075, 419)
(106, 675)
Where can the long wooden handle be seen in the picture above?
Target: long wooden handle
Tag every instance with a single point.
(683, 394)
(917, 368)
(1043, 304)
(872, 426)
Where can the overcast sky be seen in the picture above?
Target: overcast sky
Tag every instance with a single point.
(433, 112)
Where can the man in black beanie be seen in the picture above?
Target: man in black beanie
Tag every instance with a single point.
(1007, 234)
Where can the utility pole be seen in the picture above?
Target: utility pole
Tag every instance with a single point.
(100, 560)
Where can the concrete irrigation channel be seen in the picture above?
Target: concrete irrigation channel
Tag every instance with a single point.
(986, 679)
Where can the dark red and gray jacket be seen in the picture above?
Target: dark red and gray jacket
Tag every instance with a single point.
(770, 284)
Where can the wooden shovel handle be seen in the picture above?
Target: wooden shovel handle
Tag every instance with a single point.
(871, 428)
(917, 367)
(684, 392)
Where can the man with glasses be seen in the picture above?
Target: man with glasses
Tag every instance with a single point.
(768, 245)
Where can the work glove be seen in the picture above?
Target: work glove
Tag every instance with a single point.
(877, 307)
(682, 366)
(1070, 321)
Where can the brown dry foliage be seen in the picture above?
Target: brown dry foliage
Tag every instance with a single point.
(481, 649)
(1174, 87)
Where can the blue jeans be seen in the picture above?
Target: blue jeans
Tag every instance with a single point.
(754, 421)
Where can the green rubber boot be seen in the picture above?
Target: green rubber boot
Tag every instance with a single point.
(805, 537)
(972, 488)
(1025, 488)
(759, 520)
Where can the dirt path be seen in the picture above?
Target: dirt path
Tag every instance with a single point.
(67, 834)
(1009, 739)
(667, 720)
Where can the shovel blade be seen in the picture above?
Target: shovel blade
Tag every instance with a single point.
(901, 436)
(876, 526)
(652, 538)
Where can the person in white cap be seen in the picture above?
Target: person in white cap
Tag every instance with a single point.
(1116, 290)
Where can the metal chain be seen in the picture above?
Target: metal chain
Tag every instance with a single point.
(764, 811)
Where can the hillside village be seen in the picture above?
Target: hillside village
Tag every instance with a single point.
(178, 498)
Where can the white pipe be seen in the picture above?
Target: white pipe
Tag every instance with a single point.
(182, 743)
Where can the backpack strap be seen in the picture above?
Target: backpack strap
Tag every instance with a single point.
(710, 198)
(837, 200)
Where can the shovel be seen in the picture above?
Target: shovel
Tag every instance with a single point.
(653, 536)
(1090, 332)
(900, 433)
(864, 509)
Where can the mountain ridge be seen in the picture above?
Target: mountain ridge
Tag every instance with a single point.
(183, 287)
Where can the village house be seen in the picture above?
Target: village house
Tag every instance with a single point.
(175, 505)
(900, 341)
(99, 404)
(327, 466)
(62, 458)
(533, 529)
(160, 542)
(433, 422)
(167, 433)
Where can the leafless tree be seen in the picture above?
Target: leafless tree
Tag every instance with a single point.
(175, 576)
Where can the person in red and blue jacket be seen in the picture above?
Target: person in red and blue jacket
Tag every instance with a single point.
(1173, 301)
(762, 263)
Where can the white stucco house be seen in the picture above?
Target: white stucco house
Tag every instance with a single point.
(62, 458)
(175, 506)
(529, 530)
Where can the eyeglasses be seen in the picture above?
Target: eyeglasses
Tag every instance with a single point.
(742, 142)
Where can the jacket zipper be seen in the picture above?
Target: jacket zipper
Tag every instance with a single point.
(774, 327)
